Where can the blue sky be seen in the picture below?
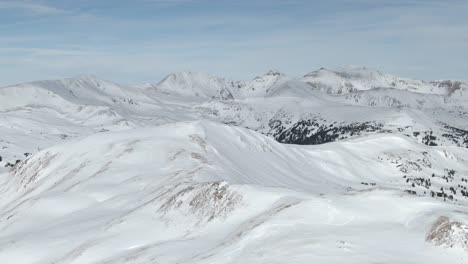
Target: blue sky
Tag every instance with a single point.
(144, 40)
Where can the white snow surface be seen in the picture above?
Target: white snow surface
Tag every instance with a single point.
(188, 170)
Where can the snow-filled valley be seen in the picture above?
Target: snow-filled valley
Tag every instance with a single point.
(345, 165)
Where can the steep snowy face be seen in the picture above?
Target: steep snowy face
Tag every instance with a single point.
(201, 85)
(350, 79)
(260, 86)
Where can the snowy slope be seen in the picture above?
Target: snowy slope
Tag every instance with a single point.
(39, 114)
(196, 84)
(261, 85)
(207, 193)
(452, 87)
(79, 90)
(332, 167)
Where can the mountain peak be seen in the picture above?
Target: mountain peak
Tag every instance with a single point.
(194, 84)
(274, 73)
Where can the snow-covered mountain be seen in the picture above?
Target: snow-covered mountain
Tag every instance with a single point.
(355, 78)
(196, 84)
(260, 85)
(332, 167)
(206, 86)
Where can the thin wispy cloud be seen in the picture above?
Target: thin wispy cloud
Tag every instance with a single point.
(30, 7)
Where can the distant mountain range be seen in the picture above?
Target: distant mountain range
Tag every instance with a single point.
(346, 165)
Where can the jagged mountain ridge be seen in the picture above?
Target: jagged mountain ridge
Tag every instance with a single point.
(332, 81)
